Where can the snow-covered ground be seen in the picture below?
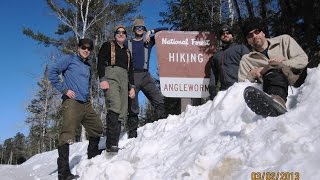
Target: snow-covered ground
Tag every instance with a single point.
(222, 139)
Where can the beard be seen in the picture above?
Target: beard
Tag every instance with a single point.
(257, 43)
(227, 41)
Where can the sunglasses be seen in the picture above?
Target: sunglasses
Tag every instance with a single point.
(139, 27)
(85, 47)
(255, 32)
(225, 33)
(121, 32)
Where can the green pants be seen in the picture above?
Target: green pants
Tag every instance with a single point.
(116, 97)
(75, 113)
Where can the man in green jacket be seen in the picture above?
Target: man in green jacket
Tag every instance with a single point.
(271, 62)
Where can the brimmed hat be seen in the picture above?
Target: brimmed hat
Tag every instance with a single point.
(138, 22)
(225, 28)
(86, 42)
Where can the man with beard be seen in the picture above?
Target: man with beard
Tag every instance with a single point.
(225, 63)
(140, 47)
(272, 62)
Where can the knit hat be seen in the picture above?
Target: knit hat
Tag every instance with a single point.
(119, 26)
(252, 24)
(225, 28)
(86, 42)
(139, 22)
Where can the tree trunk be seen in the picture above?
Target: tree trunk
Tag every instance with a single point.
(231, 11)
(10, 158)
(237, 9)
(249, 8)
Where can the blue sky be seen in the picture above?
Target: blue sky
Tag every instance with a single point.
(23, 59)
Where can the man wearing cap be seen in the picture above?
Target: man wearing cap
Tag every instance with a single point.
(140, 47)
(116, 81)
(225, 63)
(76, 106)
(271, 63)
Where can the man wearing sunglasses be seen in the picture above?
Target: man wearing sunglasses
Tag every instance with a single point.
(116, 80)
(272, 62)
(76, 106)
(225, 63)
(140, 46)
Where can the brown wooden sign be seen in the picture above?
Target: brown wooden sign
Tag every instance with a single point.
(183, 62)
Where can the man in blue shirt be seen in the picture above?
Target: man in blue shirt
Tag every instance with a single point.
(140, 47)
(76, 106)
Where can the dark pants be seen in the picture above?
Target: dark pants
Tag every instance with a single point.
(144, 82)
(312, 64)
(275, 83)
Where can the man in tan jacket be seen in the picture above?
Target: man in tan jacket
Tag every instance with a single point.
(271, 63)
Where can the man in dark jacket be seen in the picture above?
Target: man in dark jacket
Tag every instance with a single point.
(76, 105)
(140, 47)
(225, 63)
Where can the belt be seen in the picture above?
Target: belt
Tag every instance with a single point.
(140, 70)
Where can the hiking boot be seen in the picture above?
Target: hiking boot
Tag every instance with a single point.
(264, 104)
(93, 147)
(113, 149)
(132, 125)
(63, 163)
(132, 134)
(67, 176)
(113, 130)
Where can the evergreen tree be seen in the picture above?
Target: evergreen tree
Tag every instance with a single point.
(41, 112)
(7, 151)
(192, 15)
(19, 151)
(14, 150)
(1, 154)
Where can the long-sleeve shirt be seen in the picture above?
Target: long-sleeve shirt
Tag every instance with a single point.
(121, 60)
(140, 57)
(284, 46)
(225, 65)
(76, 77)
